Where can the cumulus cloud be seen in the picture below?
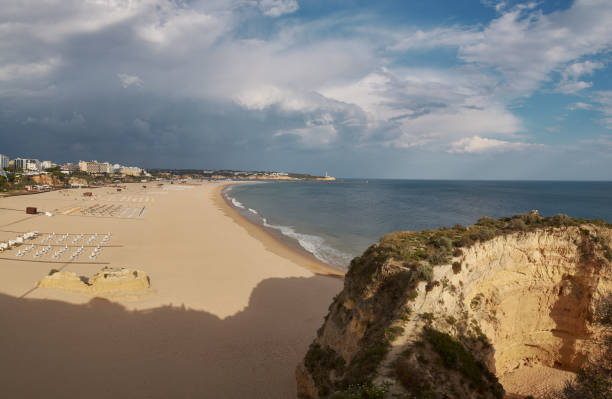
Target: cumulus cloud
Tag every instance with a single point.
(418, 107)
(480, 145)
(129, 80)
(525, 45)
(570, 75)
(215, 74)
(577, 69)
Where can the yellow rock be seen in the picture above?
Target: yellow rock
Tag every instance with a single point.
(108, 282)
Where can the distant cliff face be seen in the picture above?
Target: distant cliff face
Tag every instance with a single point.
(444, 313)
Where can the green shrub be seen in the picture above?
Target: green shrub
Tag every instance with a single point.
(456, 267)
(431, 284)
(444, 242)
(518, 224)
(476, 302)
(485, 234)
(427, 317)
(607, 252)
(454, 356)
(405, 314)
(394, 332)
(320, 362)
(485, 221)
(465, 241)
(361, 391)
(561, 219)
(425, 273)
(412, 378)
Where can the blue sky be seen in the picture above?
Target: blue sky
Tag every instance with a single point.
(404, 89)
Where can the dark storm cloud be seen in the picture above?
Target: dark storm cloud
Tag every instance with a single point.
(252, 84)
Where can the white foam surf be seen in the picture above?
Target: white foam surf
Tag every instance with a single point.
(236, 203)
(314, 244)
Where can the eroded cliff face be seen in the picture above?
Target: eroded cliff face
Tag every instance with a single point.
(511, 300)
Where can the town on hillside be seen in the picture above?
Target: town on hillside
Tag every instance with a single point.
(28, 175)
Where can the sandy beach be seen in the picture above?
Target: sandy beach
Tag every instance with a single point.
(230, 313)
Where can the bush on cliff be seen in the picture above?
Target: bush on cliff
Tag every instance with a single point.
(435, 247)
(594, 379)
(319, 362)
(361, 391)
(453, 355)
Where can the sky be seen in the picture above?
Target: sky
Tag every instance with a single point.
(433, 89)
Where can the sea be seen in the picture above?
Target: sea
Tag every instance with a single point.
(336, 221)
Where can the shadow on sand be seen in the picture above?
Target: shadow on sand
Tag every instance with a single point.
(54, 349)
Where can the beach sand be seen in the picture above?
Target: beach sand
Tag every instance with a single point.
(230, 314)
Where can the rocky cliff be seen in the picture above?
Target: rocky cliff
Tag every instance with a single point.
(445, 313)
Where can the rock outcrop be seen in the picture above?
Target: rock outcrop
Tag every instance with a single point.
(443, 314)
(108, 282)
(47, 179)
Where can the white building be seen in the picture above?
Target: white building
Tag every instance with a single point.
(4, 161)
(47, 164)
(27, 164)
(131, 171)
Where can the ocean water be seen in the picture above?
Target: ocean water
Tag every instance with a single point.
(337, 221)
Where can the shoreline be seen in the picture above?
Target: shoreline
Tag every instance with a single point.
(297, 255)
(229, 312)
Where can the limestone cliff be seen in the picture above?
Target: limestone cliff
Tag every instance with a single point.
(444, 313)
(48, 179)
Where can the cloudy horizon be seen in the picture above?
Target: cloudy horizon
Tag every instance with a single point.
(458, 90)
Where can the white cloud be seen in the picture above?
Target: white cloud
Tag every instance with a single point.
(9, 72)
(580, 105)
(480, 145)
(569, 83)
(571, 86)
(497, 5)
(172, 26)
(276, 8)
(422, 107)
(578, 69)
(55, 20)
(304, 72)
(525, 45)
(129, 80)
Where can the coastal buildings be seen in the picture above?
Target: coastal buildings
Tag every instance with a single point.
(27, 164)
(4, 161)
(69, 167)
(95, 167)
(47, 165)
(131, 171)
